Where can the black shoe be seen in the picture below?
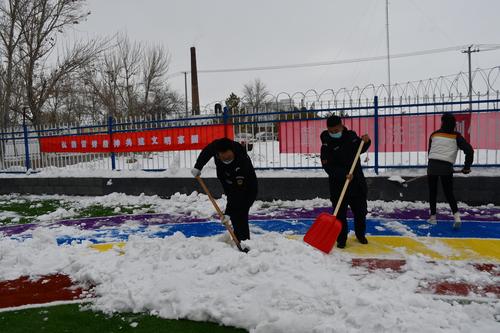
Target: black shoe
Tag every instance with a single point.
(341, 245)
(362, 240)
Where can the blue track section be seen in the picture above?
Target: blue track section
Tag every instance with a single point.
(469, 229)
(375, 227)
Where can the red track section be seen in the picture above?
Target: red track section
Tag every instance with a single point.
(461, 289)
(438, 287)
(58, 287)
(49, 288)
(374, 264)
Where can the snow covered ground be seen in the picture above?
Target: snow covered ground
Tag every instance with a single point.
(281, 285)
(197, 205)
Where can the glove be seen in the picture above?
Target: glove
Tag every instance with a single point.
(226, 220)
(195, 172)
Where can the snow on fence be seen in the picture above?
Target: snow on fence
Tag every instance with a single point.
(276, 138)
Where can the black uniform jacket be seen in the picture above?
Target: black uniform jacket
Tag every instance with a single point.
(337, 156)
(238, 178)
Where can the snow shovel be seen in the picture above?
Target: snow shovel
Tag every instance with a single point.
(229, 228)
(406, 182)
(411, 180)
(326, 228)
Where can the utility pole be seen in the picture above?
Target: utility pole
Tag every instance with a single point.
(186, 94)
(388, 49)
(469, 51)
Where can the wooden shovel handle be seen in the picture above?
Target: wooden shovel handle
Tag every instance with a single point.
(347, 181)
(207, 192)
(219, 211)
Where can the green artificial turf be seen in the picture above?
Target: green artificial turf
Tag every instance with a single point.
(27, 210)
(97, 211)
(21, 210)
(74, 318)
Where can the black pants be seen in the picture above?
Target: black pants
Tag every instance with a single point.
(237, 208)
(447, 182)
(359, 208)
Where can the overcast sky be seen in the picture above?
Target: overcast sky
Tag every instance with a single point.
(234, 34)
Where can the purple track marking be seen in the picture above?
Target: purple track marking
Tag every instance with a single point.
(469, 214)
(472, 213)
(99, 222)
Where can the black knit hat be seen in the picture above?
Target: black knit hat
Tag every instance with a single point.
(333, 121)
(223, 145)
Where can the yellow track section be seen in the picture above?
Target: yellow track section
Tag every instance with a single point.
(104, 247)
(436, 248)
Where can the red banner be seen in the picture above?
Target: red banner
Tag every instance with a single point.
(400, 133)
(187, 138)
(463, 125)
(303, 136)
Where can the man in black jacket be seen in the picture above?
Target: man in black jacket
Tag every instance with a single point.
(339, 147)
(237, 176)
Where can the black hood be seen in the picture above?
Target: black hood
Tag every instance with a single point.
(448, 122)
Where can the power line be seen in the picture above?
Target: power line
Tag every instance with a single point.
(488, 47)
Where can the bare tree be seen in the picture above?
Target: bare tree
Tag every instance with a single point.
(72, 101)
(103, 80)
(255, 97)
(86, 80)
(155, 68)
(11, 29)
(42, 21)
(129, 54)
(75, 58)
(130, 80)
(112, 79)
(255, 94)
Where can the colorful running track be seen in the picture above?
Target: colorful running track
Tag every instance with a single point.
(392, 237)
(390, 233)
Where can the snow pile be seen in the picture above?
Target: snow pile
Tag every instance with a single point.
(399, 228)
(281, 285)
(59, 214)
(5, 215)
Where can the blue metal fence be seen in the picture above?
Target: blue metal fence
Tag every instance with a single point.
(258, 130)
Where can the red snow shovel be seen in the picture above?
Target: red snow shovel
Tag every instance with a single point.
(229, 228)
(326, 228)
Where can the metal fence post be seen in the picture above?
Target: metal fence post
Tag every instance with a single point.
(225, 119)
(375, 138)
(26, 143)
(110, 131)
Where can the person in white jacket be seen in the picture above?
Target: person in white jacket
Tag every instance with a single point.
(443, 148)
